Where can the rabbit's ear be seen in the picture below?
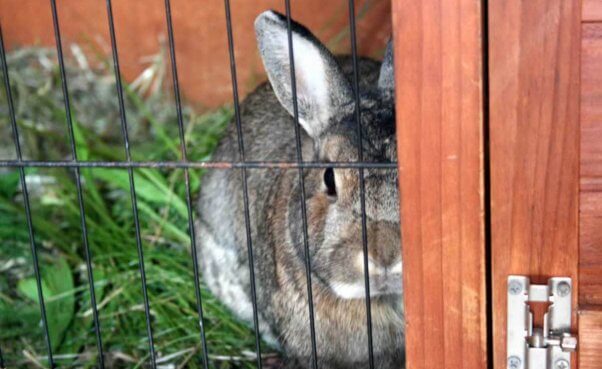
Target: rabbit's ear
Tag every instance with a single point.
(386, 79)
(320, 84)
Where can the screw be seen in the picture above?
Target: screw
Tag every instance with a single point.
(515, 287)
(514, 363)
(563, 289)
(562, 364)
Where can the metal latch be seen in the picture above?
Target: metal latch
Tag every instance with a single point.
(547, 347)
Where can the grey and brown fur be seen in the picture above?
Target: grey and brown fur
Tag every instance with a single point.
(326, 112)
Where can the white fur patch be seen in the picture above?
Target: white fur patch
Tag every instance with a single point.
(226, 285)
(396, 268)
(375, 268)
(349, 290)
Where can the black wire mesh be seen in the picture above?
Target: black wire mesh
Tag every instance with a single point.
(360, 158)
(126, 144)
(312, 323)
(78, 182)
(243, 173)
(32, 242)
(184, 157)
(242, 164)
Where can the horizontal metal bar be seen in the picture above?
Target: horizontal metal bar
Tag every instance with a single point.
(192, 165)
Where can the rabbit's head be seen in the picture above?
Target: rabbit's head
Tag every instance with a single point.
(326, 111)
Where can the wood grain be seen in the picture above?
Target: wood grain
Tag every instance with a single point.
(590, 208)
(590, 249)
(592, 10)
(534, 60)
(590, 339)
(438, 66)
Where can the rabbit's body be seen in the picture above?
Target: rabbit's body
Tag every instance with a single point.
(333, 225)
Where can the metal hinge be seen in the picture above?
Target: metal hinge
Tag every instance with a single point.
(547, 347)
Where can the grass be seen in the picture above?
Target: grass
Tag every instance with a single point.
(56, 221)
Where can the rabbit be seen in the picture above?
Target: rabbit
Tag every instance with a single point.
(329, 134)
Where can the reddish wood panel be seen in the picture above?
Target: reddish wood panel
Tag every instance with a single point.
(590, 339)
(592, 10)
(200, 32)
(590, 225)
(591, 107)
(438, 66)
(534, 60)
(590, 249)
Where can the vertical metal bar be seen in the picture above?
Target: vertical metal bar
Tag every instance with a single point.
(360, 158)
(291, 55)
(80, 198)
(32, 242)
(126, 142)
(195, 264)
(243, 171)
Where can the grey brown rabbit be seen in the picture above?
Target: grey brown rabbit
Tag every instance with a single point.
(326, 113)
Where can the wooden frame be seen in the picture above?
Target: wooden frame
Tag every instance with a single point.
(531, 123)
(534, 146)
(439, 92)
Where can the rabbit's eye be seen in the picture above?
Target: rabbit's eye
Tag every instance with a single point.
(331, 188)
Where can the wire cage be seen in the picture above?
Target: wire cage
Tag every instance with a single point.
(75, 164)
